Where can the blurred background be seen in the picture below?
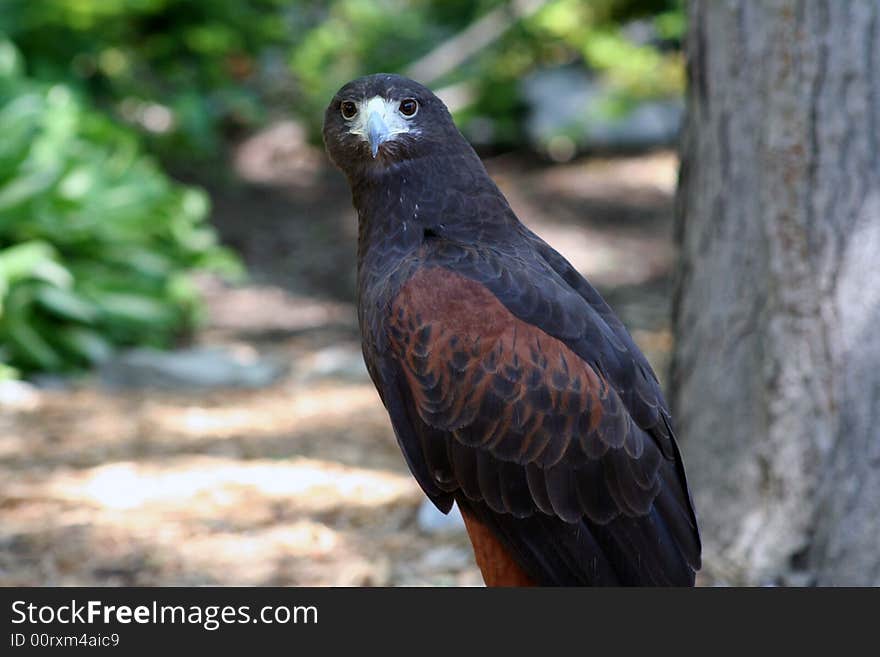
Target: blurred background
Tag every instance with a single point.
(182, 392)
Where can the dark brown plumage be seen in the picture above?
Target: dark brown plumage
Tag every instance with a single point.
(512, 387)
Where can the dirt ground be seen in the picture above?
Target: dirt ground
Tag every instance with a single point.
(300, 483)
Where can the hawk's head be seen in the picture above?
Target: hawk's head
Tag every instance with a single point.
(380, 120)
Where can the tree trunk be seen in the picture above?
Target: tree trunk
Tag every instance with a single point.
(776, 371)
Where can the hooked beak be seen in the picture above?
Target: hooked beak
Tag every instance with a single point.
(377, 132)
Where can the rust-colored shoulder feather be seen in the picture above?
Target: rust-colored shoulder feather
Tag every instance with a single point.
(496, 564)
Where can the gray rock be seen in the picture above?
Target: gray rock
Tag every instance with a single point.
(46, 381)
(568, 107)
(446, 558)
(199, 367)
(337, 362)
(641, 32)
(431, 521)
(558, 100)
(652, 123)
(19, 395)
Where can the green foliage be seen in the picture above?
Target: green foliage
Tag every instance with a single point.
(97, 245)
(351, 38)
(195, 59)
(355, 37)
(187, 71)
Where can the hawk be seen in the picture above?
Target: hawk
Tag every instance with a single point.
(513, 388)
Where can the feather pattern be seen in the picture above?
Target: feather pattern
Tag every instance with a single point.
(512, 387)
(530, 429)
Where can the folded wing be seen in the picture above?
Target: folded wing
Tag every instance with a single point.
(533, 438)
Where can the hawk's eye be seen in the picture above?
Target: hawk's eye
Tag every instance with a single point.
(348, 109)
(409, 107)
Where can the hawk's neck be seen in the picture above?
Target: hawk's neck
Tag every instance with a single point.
(451, 195)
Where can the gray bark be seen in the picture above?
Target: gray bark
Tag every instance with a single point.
(776, 371)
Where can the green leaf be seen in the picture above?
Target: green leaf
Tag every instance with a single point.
(21, 333)
(133, 309)
(66, 304)
(25, 187)
(35, 260)
(85, 344)
(11, 65)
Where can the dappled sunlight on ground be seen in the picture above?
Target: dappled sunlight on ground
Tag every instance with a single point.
(608, 217)
(300, 483)
(225, 483)
(227, 520)
(192, 495)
